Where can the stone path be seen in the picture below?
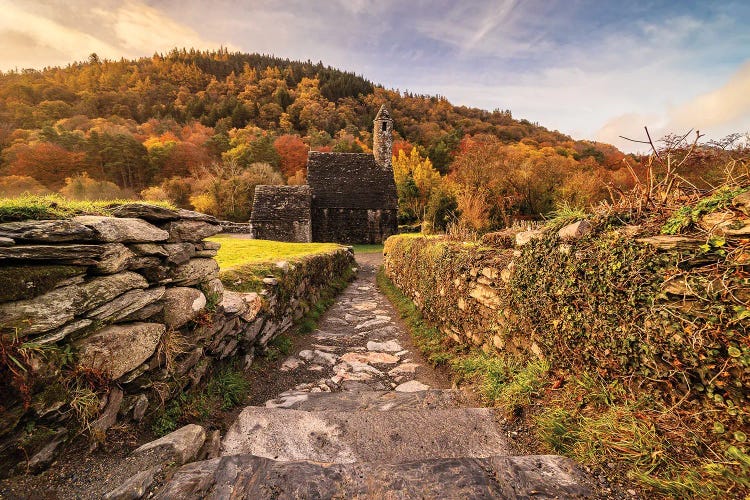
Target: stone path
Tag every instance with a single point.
(371, 426)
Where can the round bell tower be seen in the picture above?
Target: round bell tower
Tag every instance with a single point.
(382, 137)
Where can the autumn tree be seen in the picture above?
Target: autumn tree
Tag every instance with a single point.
(48, 163)
(292, 153)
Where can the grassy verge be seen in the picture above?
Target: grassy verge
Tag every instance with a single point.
(57, 207)
(501, 382)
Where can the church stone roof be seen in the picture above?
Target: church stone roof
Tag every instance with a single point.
(291, 203)
(350, 180)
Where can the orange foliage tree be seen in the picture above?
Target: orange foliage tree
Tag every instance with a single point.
(293, 153)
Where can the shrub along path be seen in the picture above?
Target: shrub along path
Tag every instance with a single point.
(370, 420)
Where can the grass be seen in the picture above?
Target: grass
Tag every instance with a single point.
(227, 388)
(594, 422)
(57, 207)
(368, 248)
(428, 339)
(236, 252)
(503, 382)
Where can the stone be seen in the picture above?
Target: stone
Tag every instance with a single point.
(486, 296)
(490, 273)
(118, 349)
(208, 245)
(126, 304)
(181, 305)
(742, 202)
(191, 215)
(366, 305)
(6, 242)
(541, 477)
(283, 265)
(47, 231)
(234, 303)
(149, 311)
(725, 223)
(135, 486)
(575, 231)
(369, 358)
(64, 331)
(109, 416)
(195, 271)
(190, 230)
(183, 444)
(388, 346)
(254, 305)
(378, 321)
(291, 363)
(206, 253)
(269, 281)
(214, 290)
(149, 249)
(339, 436)
(61, 305)
(150, 213)
(140, 407)
(179, 253)
(78, 254)
(412, 386)
(404, 369)
(526, 237)
(211, 447)
(324, 358)
(282, 213)
(116, 257)
(125, 230)
(44, 458)
(667, 242)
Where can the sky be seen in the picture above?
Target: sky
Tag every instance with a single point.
(594, 69)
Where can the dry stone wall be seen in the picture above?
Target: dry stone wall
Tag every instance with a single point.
(107, 318)
(664, 313)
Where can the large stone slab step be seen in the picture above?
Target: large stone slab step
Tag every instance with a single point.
(365, 435)
(370, 400)
(248, 476)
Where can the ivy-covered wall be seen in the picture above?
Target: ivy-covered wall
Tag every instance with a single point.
(665, 315)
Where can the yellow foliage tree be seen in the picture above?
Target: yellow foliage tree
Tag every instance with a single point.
(416, 179)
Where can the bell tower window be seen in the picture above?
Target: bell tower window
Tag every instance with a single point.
(385, 127)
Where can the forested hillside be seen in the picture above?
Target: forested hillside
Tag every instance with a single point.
(203, 128)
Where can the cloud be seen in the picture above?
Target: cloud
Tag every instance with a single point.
(716, 113)
(43, 35)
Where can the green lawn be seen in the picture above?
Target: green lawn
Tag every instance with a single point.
(368, 248)
(235, 252)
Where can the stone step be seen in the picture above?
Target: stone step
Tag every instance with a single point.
(370, 400)
(365, 435)
(248, 476)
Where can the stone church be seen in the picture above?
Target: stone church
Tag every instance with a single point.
(349, 197)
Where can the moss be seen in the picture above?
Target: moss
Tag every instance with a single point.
(57, 207)
(27, 281)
